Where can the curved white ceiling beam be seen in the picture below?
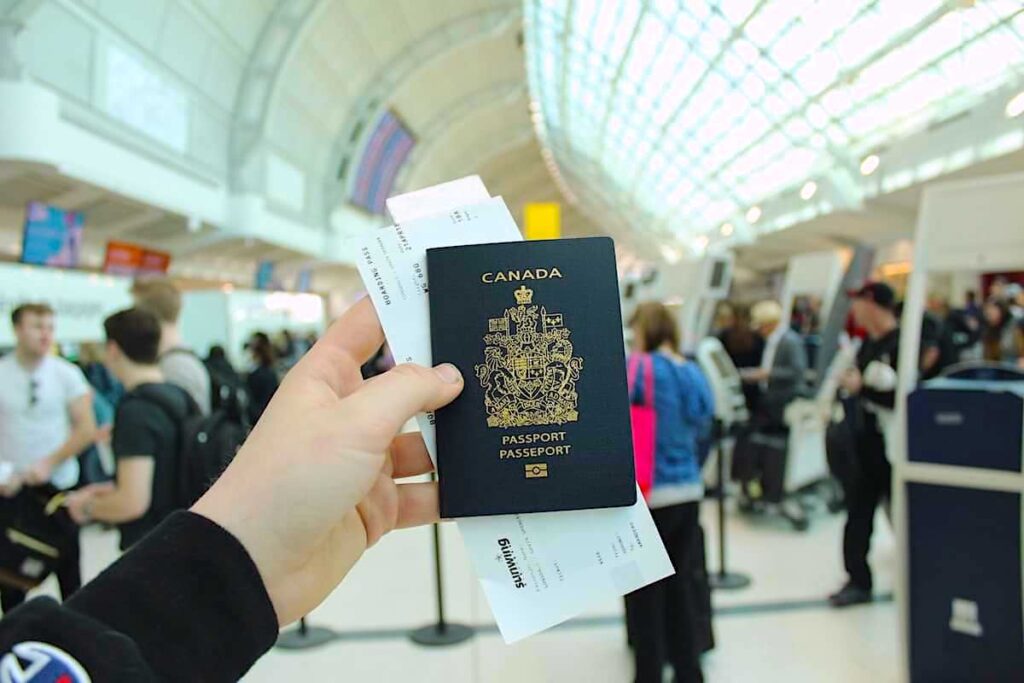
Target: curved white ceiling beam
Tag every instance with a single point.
(354, 132)
(504, 146)
(283, 31)
(433, 132)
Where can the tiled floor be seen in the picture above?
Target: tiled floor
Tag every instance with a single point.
(391, 591)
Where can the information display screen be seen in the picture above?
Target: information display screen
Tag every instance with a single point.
(388, 148)
(52, 236)
(717, 274)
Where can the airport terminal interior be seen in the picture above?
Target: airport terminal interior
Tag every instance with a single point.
(813, 369)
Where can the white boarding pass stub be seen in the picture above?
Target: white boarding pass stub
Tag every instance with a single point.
(536, 570)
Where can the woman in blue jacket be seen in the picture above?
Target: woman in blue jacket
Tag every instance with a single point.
(662, 616)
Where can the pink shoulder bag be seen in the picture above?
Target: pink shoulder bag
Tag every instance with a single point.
(643, 420)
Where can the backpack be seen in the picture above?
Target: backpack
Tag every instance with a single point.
(227, 389)
(36, 535)
(206, 444)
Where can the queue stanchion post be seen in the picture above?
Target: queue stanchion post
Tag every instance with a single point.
(723, 579)
(441, 632)
(304, 636)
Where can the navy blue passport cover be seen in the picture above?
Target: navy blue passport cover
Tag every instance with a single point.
(543, 422)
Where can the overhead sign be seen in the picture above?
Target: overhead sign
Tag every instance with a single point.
(543, 221)
(125, 258)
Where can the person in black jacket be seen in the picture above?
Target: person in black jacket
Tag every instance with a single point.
(262, 380)
(203, 596)
(872, 388)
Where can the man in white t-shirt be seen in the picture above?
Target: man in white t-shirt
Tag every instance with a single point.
(46, 420)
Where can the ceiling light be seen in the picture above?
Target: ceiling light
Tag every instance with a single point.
(808, 190)
(753, 214)
(869, 164)
(1015, 107)
(702, 242)
(726, 229)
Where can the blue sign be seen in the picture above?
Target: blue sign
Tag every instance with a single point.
(52, 237)
(304, 280)
(265, 275)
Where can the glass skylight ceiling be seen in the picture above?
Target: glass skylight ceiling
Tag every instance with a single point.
(688, 112)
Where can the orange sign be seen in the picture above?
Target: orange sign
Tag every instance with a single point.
(125, 258)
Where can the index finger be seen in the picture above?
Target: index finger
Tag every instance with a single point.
(350, 341)
(357, 332)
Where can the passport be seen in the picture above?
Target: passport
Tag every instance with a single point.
(542, 424)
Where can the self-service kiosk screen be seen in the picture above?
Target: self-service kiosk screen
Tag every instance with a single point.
(723, 364)
(717, 274)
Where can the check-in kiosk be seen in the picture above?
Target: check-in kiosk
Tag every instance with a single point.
(958, 463)
(809, 292)
(697, 286)
(725, 382)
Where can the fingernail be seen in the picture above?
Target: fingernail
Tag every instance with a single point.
(449, 373)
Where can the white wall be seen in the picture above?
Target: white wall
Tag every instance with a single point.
(204, 320)
(81, 300)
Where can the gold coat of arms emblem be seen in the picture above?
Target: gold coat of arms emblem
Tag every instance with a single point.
(529, 374)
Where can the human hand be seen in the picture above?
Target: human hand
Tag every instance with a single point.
(79, 504)
(313, 486)
(39, 473)
(10, 488)
(751, 375)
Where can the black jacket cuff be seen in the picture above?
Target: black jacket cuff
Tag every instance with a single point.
(65, 642)
(190, 598)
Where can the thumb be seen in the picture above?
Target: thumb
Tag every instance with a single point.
(380, 407)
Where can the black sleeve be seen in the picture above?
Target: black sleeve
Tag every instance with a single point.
(134, 431)
(185, 604)
(883, 399)
(262, 387)
(930, 332)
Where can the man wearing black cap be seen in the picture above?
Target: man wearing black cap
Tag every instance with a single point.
(873, 383)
